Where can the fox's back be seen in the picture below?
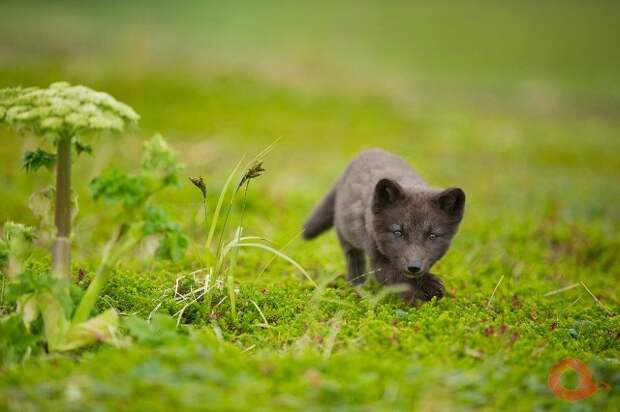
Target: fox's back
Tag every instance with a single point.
(355, 189)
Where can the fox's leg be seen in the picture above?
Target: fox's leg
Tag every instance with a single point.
(428, 286)
(356, 262)
(384, 271)
(356, 266)
(422, 288)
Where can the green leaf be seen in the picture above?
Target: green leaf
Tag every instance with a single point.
(41, 203)
(172, 245)
(29, 283)
(18, 243)
(81, 147)
(15, 340)
(28, 308)
(12, 231)
(160, 329)
(4, 255)
(37, 159)
(118, 187)
(101, 328)
(55, 322)
(160, 161)
(155, 221)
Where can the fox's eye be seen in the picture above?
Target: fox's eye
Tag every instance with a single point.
(433, 236)
(398, 233)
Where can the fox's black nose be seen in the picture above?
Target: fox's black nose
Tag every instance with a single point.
(413, 269)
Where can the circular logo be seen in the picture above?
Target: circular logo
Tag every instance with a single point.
(586, 386)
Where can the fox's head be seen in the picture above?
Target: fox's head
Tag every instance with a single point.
(414, 229)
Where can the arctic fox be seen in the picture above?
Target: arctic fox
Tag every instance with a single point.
(382, 209)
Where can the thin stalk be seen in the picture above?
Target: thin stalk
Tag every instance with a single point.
(205, 308)
(61, 252)
(230, 279)
(223, 230)
(218, 207)
(109, 259)
(205, 209)
(113, 252)
(494, 290)
(245, 197)
(609, 312)
(282, 249)
(280, 255)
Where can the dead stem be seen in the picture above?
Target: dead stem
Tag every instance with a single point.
(494, 290)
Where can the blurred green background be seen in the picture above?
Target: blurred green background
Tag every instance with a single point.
(517, 102)
(463, 89)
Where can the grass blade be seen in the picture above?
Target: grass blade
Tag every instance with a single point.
(279, 254)
(220, 202)
(286, 245)
(494, 290)
(564, 289)
(262, 315)
(230, 276)
(609, 312)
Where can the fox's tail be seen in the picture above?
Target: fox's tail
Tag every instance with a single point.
(322, 217)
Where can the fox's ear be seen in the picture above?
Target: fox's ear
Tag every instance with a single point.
(387, 193)
(452, 202)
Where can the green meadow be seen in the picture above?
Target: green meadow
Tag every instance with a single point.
(518, 103)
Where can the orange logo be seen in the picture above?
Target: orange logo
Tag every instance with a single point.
(586, 386)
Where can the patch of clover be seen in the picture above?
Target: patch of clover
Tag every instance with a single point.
(64, 109)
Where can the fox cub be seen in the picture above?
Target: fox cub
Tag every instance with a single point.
(382, 209)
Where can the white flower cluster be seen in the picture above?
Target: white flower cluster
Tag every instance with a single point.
(62, 108)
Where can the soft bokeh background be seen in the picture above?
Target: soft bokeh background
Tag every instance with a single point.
(464, 90)
(518, 102)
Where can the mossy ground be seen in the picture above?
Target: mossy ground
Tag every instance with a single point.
(539, 162)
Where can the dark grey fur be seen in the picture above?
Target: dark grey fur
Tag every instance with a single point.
(382, 209)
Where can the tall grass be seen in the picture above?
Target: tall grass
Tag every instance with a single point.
(221, 258)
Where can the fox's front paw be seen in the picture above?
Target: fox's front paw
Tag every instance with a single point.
(428, 286)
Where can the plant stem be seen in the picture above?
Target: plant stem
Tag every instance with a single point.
(230, 279)
(61, 252)
(220, 201)
(88, 300)
(205, 209)
(108, 260)
(205, 307)
(245, 196)
(222, 231)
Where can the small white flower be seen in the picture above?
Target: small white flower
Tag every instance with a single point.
(51, 123)
(82, 109)
(77, 120)
(59, 85)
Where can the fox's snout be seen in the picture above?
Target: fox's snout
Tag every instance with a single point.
(413, 269)
(414, 261)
